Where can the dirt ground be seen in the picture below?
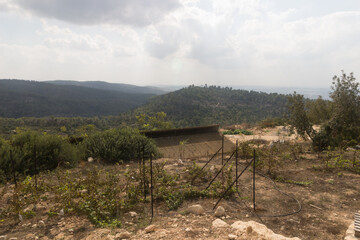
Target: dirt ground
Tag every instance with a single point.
(328, 199)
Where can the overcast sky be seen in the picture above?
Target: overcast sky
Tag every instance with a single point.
(181, 42)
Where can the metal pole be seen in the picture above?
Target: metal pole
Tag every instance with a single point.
(254, 179)
(144, 175)
(222, 156)
(236, 163)
(151, 188)
(13, 166)
(36, 172)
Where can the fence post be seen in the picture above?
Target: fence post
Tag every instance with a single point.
(222, 155)
(36, 171)
(151, 188)
(254, 179)
(236, 164)
(13, 166)
(144, 173)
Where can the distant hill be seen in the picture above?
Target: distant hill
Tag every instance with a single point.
(121, 87)
(194, 106)
(20, 98)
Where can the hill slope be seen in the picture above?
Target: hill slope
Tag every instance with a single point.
(19, 98)
(121, 87)
(193, 106)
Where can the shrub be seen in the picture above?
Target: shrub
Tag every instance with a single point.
(117, 145)
(50, 151)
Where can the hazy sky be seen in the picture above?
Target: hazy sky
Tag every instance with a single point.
(181, 42)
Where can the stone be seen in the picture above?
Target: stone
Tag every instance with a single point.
(30, 208)
(3, 237)
(90, 159)
(196, 209)
(220, 212)
(257, 229)
(218, 223)
(41, 223)
(150, 229)
(232, 237)
(30, 236)
(123, 235)
(109, 237)
(180, 162)
(13, 238)
(133, 214)
(83, 191)
(20, 217)
(61, 213)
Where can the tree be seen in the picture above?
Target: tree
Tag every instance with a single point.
(298, 117)
(339, 119)
(158, 121)
(319, 111)
(345, 118)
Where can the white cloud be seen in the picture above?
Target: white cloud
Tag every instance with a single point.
(93, 12)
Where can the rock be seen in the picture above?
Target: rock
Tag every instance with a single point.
(188, 229)
(90, 159)
(41, 223)
(232, 237)
(30, 208)
(218, 223)
(133, 214)
(220, 212)
(13, 238)
(123, 235)
(34, 225)
(259, 230)
(20, 217)
(3, 237)
(150, 229)
(196, 209)
(61, 213)
(83, 191)
(180, 162)
(30, 236)
(350, 233)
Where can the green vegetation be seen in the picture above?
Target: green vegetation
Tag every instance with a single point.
(29, 152)
(119, 145)
(339, 118)
(195, 106)
(39, 99)
(237, 131)
(156, 122)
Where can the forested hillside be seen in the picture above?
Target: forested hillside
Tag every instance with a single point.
(121, 87)
(194, 106)
(19, 98)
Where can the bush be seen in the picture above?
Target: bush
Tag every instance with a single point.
(237, 131)
(117, 145)
(50, 151)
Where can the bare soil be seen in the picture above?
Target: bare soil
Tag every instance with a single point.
(328, 198)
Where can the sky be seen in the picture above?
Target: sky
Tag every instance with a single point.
(281, 43)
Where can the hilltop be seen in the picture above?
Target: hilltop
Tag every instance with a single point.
(20, 98)
(194, 106)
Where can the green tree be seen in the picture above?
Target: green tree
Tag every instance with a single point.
(298, 117)
(319, 111)
(345, 118)
(158, 121)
